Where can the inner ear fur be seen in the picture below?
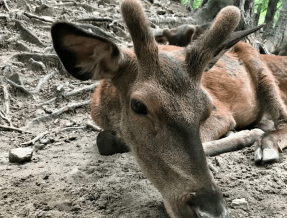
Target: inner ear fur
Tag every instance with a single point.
(84, 54)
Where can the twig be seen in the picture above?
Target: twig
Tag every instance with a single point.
(37, 17)
(74, 92)
(42, 82)
(38, 137)
(58, 112)
(6, 6)
(94, 127)
(73, 128)
(28, 35)
(14, 128)
(100, 19)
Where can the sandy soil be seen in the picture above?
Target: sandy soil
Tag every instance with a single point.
(68, 177)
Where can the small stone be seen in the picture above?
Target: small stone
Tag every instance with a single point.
(72, 137)
(69, 124)
(20, 155)
(39, 146)
(39, 112)
(45, 141)
(161, 12)
(240, 204)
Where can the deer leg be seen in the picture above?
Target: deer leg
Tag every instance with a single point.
(216, 126)
(271, 143)
(234, 142)
(108, 143)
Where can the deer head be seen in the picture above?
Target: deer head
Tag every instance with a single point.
(162, 100)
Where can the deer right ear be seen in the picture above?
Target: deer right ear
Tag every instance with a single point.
(84, 54)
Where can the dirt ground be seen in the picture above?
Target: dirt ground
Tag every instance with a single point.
(68, 177)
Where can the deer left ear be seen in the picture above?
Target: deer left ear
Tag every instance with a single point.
(84, 54)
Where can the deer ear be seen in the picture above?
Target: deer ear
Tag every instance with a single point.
(84, 54)
(228, 43)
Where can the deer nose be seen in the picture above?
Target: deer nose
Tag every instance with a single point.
(208, 204)
(221, 212)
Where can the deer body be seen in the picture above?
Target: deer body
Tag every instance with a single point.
(162, 102)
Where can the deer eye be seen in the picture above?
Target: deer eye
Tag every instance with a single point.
(138, 107)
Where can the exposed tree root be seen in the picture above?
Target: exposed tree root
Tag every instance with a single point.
(21, 87)
(57, 112)
(28, 35)
(85, 6)
(14, 129)
(94, 127)
(74, 92)
(37, 17)
(6, 6)
(42, 82)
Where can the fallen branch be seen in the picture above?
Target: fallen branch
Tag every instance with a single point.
(38, 137)
(14, 129)
(58, 112)
(234, 142)
(37, 17)
(28, 35)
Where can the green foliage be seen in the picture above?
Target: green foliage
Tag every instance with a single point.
(196, 3)
(264, 6)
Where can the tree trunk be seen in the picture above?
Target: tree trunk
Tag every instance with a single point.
(269, 18)
(275, 35)
(257, 15)
(191, 2)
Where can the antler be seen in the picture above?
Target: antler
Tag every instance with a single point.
(144, 43)
(200, 53)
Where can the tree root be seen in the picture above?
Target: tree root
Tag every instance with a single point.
(6, 6)
(94, 127)
(85, 6)
(14, 129)
(28, 35)
(33, 141)
(74, 92)
(21, 87)
(37, 17)
(57, 112)
(42, 82)
(45, 58)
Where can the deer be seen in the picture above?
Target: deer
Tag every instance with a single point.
(181, 35)
(162, 102)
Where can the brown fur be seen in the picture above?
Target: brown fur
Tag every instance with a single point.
(160, 102)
